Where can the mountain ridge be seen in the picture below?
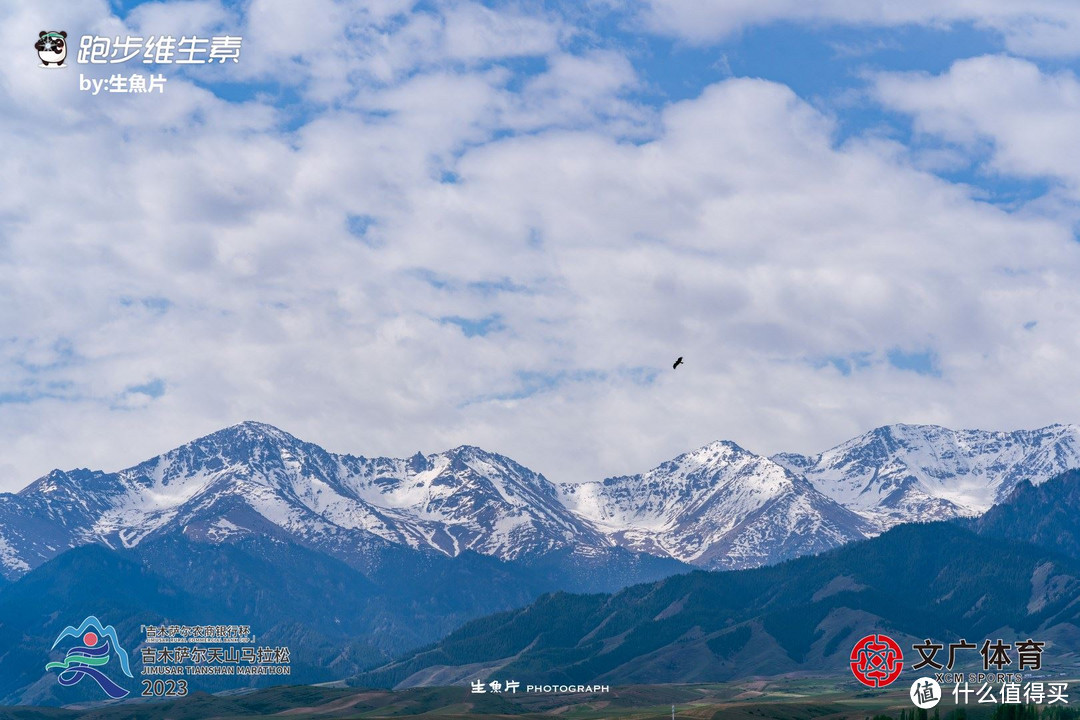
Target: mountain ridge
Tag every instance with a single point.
(718, 506)
(904, 472)
(939, 580)
(346, 608)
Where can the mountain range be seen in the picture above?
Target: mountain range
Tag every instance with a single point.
(906, 473)
(717, 507)
(1006, 575)
(353, 561)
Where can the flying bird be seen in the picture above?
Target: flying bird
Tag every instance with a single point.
(677, 363)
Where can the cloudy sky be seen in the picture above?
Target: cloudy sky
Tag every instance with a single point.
(397, 226)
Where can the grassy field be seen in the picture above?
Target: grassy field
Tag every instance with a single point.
(789, 698)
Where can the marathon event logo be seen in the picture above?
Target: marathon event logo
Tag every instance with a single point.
(91, 657)
(877, 660)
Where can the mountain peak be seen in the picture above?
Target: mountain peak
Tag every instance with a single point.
(716, 450)
(418, 463)
(901, 472)
(252, 429)
(725, 445)
(471, 451)
(719, 505)
(243, 442)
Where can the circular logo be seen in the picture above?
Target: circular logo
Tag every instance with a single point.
(877, 660)
(925, 693)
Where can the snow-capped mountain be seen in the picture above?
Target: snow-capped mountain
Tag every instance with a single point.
(905, 473)
(716, 507)
(254, 478)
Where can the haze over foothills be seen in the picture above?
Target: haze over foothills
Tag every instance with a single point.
(398, 226)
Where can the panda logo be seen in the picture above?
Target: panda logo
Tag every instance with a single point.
(52, 47)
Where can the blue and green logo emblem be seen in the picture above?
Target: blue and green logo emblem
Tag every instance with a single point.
(91, 657)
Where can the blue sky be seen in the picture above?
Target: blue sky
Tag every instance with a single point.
(395, 225)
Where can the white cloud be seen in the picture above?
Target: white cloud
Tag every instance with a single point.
(580, 89)
(1030, 119)
(198, 247)
(1039, 28)
(328, 48)
(475, 32)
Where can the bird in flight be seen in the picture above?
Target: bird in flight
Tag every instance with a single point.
(677, 363)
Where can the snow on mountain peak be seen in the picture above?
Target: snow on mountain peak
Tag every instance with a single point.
(717, 506)
(700, 505)
(462, 499)
(900, 473)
